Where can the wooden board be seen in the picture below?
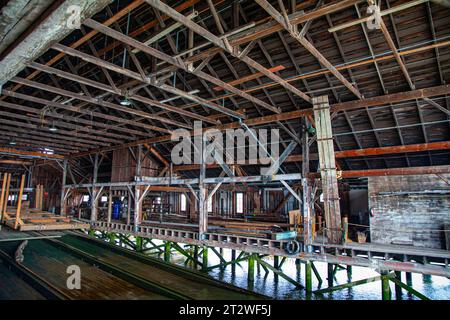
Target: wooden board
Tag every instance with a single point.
(43, 221)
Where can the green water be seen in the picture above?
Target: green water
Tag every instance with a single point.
(435, 288)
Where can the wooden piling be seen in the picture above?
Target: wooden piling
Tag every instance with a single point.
(167, 247)
(205, 258)
(385, 288)
(251, 270)
(308, 277)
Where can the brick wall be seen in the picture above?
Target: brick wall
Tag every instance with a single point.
(412, 218)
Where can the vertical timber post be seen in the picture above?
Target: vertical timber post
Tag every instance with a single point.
(308, 277)
(307, 216)
(139, 244)
(137, 207)
(129, 208)
(385, 289)
(408, 278)
(330, 274)
(195, 257)
(109, 204)
(398, 289)
(137, 191)
(2, 197)
(62, 210)
(349, 273)
(202, 199)
(167, 247)
(94, 191)
(205, 259)
(8, 184)
(328, 168)
(251, 271)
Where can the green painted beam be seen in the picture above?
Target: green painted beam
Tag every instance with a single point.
(351, 284)
(278, 272)
(409, 289)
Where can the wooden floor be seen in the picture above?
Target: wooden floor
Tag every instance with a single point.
(7, 234)
(49, 258)
(393, 248)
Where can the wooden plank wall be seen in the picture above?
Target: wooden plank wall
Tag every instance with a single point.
(409, 219)
(124, 166)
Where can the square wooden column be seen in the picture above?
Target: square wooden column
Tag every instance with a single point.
(328, 169)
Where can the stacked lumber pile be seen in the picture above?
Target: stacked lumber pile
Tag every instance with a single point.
(39, 220)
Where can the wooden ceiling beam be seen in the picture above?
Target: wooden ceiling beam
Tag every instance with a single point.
(351, 105)
(225, 45)
(178, 63)
(133, 5)
(91, 100)
(391, 172)
(33, 154)
(137, 76)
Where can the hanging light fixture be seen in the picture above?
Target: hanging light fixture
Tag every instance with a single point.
(53, 128)
(12, 142)
(126, 100)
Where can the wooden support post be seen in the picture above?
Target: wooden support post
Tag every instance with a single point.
(109, 205)
(327, 163)
(195, 257)
(36, 196)
(139, 244)
(129, 208)
(398, 289)
(8, 184)
(298, 264)
(2, 196)
(62, 210)
(276, 262)
(203, 194)
(251, 271)
(139, 161)
(205, 258)
(307, 208)
(233, 257)
(345, 228)
(94, 191)
(167, 248)
(19, 202)
(349, 273)
(330, 274)
(308, 277)
(385, 288)
(408, 278)
(137, 207)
